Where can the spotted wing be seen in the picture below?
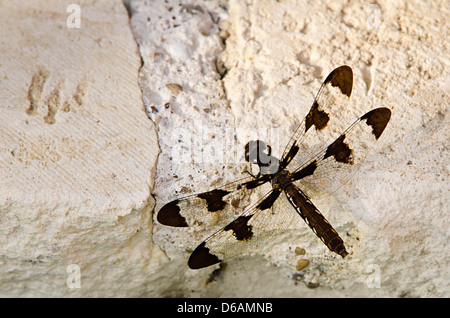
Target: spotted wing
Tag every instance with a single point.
(207, 207)
(333, 95)
(260, 225)
(334, 165)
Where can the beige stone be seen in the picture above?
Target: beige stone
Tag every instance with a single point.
(77, 150)
(78, 153)
(276, 55)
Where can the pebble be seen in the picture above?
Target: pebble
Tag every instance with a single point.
(302, 263)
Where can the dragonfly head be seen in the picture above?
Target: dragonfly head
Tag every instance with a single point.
(259, 153)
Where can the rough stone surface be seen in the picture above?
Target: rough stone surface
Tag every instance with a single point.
(275, 55)
(214, 75)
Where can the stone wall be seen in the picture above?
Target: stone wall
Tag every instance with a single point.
(92, 94)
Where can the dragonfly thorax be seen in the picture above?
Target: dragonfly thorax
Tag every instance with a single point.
(282, 180)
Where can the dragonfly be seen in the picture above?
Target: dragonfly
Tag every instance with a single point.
(307, 161)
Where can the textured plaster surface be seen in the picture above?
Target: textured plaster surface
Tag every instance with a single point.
(154, 100)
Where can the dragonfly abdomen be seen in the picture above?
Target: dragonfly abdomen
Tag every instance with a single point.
(315, 220)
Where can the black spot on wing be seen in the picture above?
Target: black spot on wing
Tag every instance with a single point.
(340, 151)
(341, 77)
(255, 183)
(214, 199)
(306, 171)
(289, 156)
(316, 117)
(269, 201)
(202, 257)
(240, 228)
(378, 119)
(170, 215)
